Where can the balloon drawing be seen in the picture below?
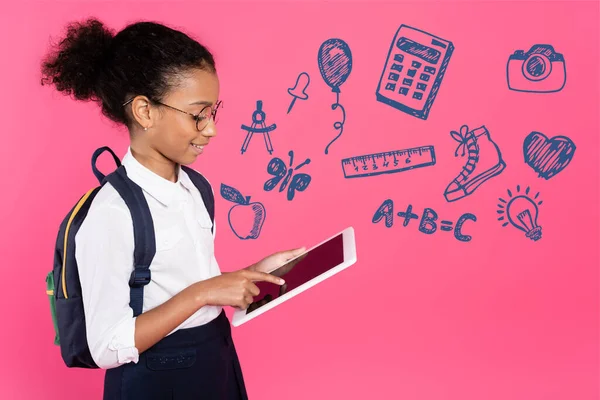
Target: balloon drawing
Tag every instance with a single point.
(335, 65)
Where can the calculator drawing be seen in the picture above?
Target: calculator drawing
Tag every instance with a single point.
(413, 71)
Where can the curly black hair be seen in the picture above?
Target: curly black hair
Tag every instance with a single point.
(145, 58)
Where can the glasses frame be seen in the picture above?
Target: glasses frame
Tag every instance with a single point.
(197, 117)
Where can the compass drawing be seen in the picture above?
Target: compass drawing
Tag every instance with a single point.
(258, 126)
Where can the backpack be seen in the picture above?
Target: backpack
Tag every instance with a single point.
(62, 283)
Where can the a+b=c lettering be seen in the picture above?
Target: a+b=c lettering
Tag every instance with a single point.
(428, 223)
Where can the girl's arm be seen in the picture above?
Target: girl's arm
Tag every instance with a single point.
(104, 254)
(228, 289)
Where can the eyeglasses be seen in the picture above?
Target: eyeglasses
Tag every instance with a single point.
(202, 118)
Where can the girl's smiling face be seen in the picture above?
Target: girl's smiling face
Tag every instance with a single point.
(171, 136)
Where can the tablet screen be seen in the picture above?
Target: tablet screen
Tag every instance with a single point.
(321, 259)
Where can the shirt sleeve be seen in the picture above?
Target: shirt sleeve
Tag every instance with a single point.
(104, 248)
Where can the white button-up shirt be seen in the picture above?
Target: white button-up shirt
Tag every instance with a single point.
(104, 254)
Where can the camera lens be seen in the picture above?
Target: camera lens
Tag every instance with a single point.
(536, 67)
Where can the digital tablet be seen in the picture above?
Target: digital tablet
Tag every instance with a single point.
(302, 272)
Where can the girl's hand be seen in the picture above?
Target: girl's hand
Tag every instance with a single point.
(234, 289)
(272, 262)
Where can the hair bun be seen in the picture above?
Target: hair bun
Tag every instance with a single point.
(78, 60)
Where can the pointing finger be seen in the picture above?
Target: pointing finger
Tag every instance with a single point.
(257, 276)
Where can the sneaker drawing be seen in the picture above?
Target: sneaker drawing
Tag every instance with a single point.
(484, 162)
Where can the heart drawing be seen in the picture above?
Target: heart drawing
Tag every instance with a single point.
(546, 156)
(245, 218)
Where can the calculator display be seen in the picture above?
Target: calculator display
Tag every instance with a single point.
(416, 49)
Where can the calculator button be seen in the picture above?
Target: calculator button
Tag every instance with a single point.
(425, 77)
(417, 95)
(430, 70)
(403, 90)
(416, 64)
(393, 76)
(421, 86)
(397, 67)
(399, 57)
(407, 81)
(390, 86)
(411, 72)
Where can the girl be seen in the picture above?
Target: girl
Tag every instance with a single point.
(162, 85)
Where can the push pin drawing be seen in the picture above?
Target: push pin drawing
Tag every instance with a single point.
(302, 82)
(258, 126)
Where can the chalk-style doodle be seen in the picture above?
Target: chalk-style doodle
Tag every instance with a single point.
(540, 70)
(335, 64)
(388, 162)
(521, 211)
(246, 218)
(427, 225)
(259, 126)
(546, 156)
(299, 89)
(483, 163)
(283, 174)
(413, 71)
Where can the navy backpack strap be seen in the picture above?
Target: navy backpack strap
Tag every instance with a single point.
(143, 232)
(205, 190)
(99, 175)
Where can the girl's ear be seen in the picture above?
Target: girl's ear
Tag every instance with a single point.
(142, 112)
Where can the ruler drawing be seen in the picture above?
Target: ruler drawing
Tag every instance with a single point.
(388, 162)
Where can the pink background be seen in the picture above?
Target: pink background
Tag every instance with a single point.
(418, 316)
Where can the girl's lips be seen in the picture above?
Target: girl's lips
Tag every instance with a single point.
(196, 148)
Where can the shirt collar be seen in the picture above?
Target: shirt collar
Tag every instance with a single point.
(185, 180)
(155, 185)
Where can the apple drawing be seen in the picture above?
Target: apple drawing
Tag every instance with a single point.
(245, 218)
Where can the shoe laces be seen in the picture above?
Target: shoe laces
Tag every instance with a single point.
(467, 143)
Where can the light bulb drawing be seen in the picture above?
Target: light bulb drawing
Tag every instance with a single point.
(521, 211)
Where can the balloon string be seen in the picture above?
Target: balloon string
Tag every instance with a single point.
(338, 125)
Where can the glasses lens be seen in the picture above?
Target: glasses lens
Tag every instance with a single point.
(206, 115)
(203, 119)
(201, 123)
